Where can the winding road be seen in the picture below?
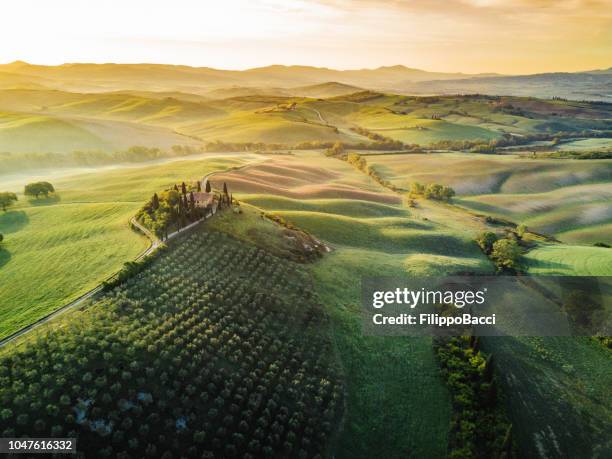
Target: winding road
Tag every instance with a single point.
(319, 115)
(155, 243)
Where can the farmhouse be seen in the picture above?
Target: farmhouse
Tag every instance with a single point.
(203, 199)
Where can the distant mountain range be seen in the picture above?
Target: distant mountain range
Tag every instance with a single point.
(298, 80)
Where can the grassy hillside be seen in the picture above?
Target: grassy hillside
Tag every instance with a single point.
(369, 233)
(42, 133)
(159, 77)
(558, 394)
(67, 244)
(279, 116)
(214, 331)
(566, 198)
(371, 238)
(396, 402)
(325, 90)
(569, 260)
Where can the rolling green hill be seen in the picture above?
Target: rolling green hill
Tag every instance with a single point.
(369, 233)
(250, 115)
(42, 133)
(396, 78)
(565, 198)
(569, 260)
(67, 244)
(368, 237)
(555, 390)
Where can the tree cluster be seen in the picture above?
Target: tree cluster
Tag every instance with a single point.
(173, 208)
(505, 252)
(433, 191)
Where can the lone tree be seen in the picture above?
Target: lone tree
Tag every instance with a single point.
(208, 189)
(38, 188)
(7, 199)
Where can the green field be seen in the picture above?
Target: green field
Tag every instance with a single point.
(367, 238)
(569, 260)
(566, 198)
(557, 394)
(396, 403)
(44, 120)
(556, 384)
(200, 360)
(372, 238)
(55, 249)
(586, 144)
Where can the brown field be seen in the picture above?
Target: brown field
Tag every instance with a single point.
(302, 177)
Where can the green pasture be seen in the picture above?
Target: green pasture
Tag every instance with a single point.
(569, 199)
(569, 260)
(57, 248)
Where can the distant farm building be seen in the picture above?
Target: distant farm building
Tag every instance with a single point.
(203, 199)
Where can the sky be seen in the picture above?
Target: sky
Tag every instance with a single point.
(471, 36)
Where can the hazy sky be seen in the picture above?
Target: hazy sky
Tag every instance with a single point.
(506, 36)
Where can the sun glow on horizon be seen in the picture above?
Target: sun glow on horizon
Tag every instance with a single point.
(471, 36)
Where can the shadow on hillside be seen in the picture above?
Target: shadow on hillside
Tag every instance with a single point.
(5, 257)
(12, 221)
(538, 387)
(49, 200)
(549, 265)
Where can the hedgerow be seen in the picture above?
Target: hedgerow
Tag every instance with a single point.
(479, 427)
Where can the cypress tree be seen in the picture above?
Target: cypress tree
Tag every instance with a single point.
(199, 186)
(175, 187)
(183, 188)
(208, 189)
(227, 198)
(155, 202)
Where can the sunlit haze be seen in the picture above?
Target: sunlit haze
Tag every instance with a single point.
(513, 36)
